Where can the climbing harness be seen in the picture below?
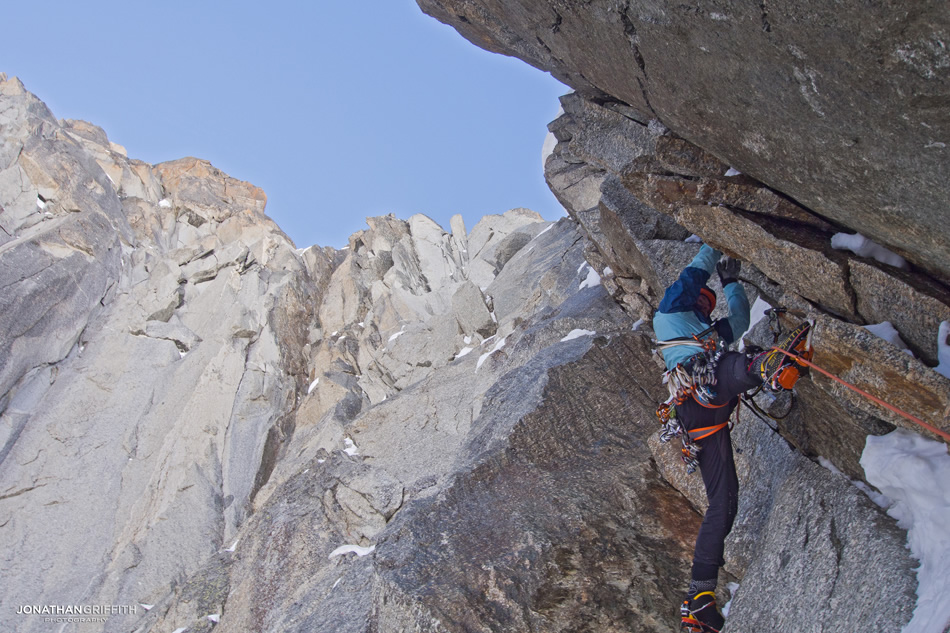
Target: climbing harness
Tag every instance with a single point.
(672, 429)
(694, 380)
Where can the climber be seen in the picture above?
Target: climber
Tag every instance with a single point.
(705, 385)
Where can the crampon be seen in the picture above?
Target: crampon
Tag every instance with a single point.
(700, 615)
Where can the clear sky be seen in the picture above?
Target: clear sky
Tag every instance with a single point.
(339, 110)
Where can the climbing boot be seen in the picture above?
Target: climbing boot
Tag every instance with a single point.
(700, 614)
(780, 371)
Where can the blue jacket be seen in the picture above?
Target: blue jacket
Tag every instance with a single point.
(679, 317)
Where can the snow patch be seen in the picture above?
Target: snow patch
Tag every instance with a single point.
(636, 326)
(608, 271)
(349, 447)
(40, 203)
(890, 334)
(550, 142)
(396, 335)
(165, 203)
(313, 386)
(756, 314)
(693, 239)
(733, 172)
(233, 546)
(733, 587)
(484, 357)
(214, 617)
(943, 350)
(593, 279)
(573, 334)
(465, 351)
(828, 464)
(862, 246)
(352, 549)
(914, 473)
(147, 607)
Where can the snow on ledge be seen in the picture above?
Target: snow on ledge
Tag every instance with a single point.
(352, 549)
(943, 350)
(862, 246)
(396, 335)
(757, 313)
(913, 472)
(577, 334)
(592, 279)
(484, 357)
(885, 330)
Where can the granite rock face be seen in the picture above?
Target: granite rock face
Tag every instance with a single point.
(824, 556)
(61, 237)
(153, 348)
(825, 104)
(764, 131)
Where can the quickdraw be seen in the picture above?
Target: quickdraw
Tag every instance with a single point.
(695, 382)
(671, 430)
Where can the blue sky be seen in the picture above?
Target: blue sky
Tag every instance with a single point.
(338, 110)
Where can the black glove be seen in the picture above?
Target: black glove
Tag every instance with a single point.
(728, 269)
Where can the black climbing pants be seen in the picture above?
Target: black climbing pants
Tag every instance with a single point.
(716, 462)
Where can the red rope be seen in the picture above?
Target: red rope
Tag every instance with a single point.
(875, 399)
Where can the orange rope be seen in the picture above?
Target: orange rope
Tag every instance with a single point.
(875, 399)
(712, 431)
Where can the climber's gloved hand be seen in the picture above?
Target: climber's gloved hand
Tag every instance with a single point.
(728, 269)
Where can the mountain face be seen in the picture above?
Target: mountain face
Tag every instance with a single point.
(454, 430)
(840, 107)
